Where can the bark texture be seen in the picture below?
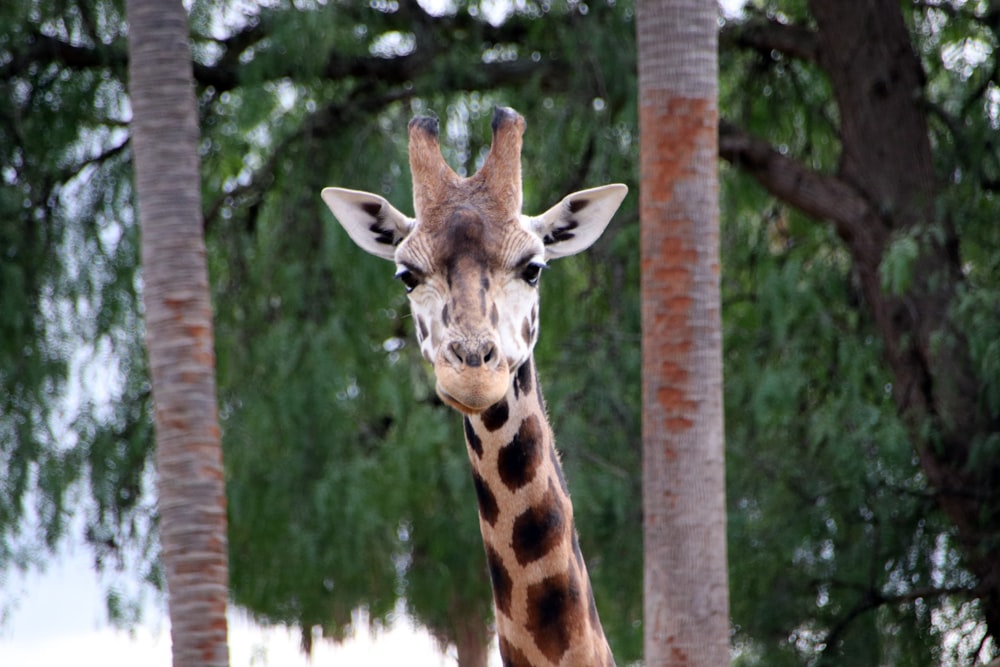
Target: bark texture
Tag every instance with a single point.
(179, 337)
(686, 582)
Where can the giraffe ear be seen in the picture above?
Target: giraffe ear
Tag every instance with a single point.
(572, 225)
(370, 220)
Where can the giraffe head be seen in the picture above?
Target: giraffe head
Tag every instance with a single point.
(470, 261)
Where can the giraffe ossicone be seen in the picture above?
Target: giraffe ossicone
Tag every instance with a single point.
(470, 261)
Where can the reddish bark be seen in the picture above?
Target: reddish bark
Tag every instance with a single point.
(686, 583)
(192, 504)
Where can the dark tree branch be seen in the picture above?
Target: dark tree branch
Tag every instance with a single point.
(222, 74)
(821, 195)
(873, 599)
(225, 73)
(436, 37)
(75, 169)
(765, 35)
(44, 50)
(320, 123)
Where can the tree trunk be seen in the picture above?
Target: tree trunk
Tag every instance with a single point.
(472, 642)
(686, 582)
(192, 504)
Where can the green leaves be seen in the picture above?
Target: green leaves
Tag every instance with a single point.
(977, 313)
(827, 503)
(898, 264)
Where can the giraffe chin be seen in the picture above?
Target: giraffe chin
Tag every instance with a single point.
(471, 390)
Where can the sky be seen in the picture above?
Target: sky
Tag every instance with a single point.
(59, 619)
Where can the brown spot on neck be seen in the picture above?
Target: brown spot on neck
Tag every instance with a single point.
(500, 579)
(473, 440)
(518, 461)
(495, 416)
(523, 379)
(512, 656)
(488, 508)
(540, 528)
(553, 611)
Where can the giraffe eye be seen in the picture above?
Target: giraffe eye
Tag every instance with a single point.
(408, 278)
(531, 273)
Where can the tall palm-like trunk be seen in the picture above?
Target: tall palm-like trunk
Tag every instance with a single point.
(191, 488)
(686, 582)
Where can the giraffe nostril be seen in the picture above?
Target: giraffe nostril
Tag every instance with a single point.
(473, 354)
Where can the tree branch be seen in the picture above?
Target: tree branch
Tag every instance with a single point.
(765, 35)
(820, 195)
(77, 168)
(43, 49)
(318, 124)
(873, 599)
(224, 74)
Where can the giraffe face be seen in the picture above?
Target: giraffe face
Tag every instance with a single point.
(470, 260)
(474, 299)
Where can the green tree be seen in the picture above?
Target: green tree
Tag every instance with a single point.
(865, 117)
(68, 285)
(683, 464)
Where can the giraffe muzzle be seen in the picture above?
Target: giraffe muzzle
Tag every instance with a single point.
(471, 375)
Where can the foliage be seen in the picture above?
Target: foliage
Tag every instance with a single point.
(66, 274)
(872, 575)
(811, 426)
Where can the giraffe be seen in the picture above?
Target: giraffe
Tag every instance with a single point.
(470, 262)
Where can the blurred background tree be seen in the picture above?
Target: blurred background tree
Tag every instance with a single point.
(862, 368)
(876, 358)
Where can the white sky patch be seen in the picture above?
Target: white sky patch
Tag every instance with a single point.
(993, 105)
(732, 8)
(60, 620)
(965, 56)
(394, 44)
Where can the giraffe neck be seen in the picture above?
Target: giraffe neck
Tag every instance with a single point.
(545, 610)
